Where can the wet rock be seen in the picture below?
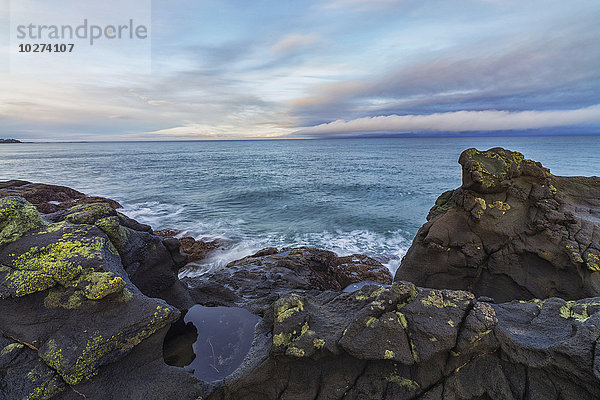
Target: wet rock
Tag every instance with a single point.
(511, 231)
(50, 198)
(196, 250)
(258, 280)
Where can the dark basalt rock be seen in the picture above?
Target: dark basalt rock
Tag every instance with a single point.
(258, 280)
(150, 263)
(511, 231)
(70, 315)
(406, 342)
(50, 198)
(196, 250)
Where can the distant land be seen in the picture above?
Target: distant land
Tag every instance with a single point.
(10, 141)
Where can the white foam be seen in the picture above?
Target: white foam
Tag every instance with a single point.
(158, 215)
(388, 248)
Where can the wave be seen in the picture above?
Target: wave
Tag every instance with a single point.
(387, 247)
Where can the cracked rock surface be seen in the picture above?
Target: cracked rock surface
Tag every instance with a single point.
(511, 231)
(406, 342)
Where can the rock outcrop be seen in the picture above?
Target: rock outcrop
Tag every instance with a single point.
(196, 250)
(511, 231)
(258, 280)
(87, 296)
(405, 342)
(69, 313)
(50, 198)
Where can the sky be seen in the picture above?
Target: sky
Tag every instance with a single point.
(225, 69)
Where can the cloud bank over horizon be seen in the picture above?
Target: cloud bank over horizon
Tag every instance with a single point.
(458, 121)
(224, 69)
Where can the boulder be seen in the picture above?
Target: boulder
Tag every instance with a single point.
(258, 280)
(150, 261)
(511, 231)
(50, 198)
(196, 250)
(70, 315)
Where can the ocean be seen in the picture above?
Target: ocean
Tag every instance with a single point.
(350, 196)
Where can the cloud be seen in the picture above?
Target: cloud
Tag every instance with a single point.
(459, 121)
(361, 5)
(549, 68)
(294, 41)
(218, 71)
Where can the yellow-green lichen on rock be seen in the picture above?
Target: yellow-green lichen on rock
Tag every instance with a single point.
(579, 310)
(436, 299)
(281, 339)
(117, 234)
(10, 348)
(295, 352)
(573, 252)
(42, 268)
(102, 284)
(64, 298)
(89, 285)
(592, 260)
(17, 216)
(500, 205)
(287, 306)
(488, 169)
(46, 384)
(85, 362)
(369, 292)
(403, 382)
(89, 213)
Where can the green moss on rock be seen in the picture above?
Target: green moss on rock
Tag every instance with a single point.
(443, 203)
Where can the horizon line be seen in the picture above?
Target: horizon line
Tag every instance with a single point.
(256, 139)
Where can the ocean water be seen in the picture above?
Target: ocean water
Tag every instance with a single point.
(349, 196)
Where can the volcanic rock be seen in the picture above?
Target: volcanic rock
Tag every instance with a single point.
(261, 278)
(511, 231)
(50, 198)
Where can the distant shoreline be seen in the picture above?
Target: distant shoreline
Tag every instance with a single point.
(10, 141)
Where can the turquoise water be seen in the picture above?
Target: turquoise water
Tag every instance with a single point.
(354, 195)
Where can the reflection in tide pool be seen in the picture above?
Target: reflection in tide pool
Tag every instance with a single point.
(211, 341)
